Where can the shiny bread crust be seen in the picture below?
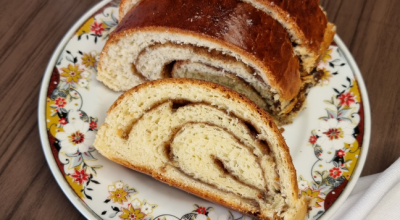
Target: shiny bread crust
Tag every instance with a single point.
(296, 16)
(287, 86)
(237, 26)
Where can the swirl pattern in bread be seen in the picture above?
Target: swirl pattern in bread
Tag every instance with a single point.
(208, 140)
(229, 35)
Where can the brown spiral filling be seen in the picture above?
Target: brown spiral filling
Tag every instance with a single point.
(264, 194)
(274, 107)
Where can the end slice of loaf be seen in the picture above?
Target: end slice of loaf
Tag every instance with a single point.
(207, 140)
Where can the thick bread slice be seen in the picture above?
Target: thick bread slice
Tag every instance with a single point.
(305, 22)
(208, 140)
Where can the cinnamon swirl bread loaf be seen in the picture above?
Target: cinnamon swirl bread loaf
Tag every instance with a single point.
(229, 35)
(305, 22)
(207, 140)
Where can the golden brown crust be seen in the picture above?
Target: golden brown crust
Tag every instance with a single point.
(238, 27)
(328, 38)
(299, 16)
(307, 19)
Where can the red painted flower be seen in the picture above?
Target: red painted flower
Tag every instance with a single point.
(77, 138)
(201, 210)
(62, 121)
(80, 176)
(313, 139)
(60, 102)
(97, 28)
(340, 153)
(335, 172)
(334, 133)
(93, 125)
(346, 99)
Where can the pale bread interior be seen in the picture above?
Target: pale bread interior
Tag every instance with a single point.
(216, 144)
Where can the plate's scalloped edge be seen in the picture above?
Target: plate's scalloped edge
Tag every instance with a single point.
(88, 213)
(60, 179)
(367, 130)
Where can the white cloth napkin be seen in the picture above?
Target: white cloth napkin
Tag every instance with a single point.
(374, 197)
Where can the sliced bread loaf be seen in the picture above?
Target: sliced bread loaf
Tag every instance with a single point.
(304, 21)
(205, 139)
(229, 35)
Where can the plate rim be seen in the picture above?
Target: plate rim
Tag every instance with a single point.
(51, 161)
(82, 207)
(367, 130)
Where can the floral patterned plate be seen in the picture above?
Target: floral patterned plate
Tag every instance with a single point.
(328, 140)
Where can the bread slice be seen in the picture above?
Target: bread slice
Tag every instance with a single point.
(205, 139)
(229, 35)
(304, 21)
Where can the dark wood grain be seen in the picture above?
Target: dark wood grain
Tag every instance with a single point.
(371, 31)
(29, 33)
(31, 30)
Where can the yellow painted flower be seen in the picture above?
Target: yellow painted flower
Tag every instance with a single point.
(326, 76)
(119, 195)
(327, 56)
(72, 73)
(131, 214)
(88, 60)
(312, 197)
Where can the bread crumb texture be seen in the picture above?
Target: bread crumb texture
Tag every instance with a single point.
(205, 139)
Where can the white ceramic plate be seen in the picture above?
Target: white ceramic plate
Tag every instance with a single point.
(328, 141)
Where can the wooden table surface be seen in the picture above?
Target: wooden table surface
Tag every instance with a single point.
(31, 30)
